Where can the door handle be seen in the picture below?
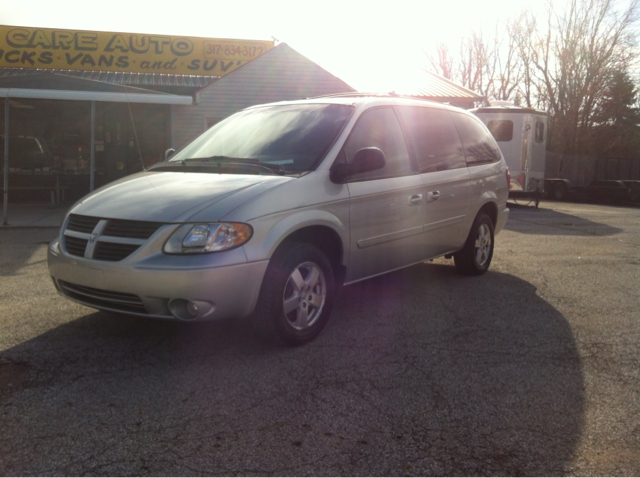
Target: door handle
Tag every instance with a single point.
(414, 199)
(433, 196)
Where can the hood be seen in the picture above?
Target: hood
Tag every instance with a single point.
(174, 196)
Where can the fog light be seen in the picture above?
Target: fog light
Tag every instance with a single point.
(184, 309)
(192, 309)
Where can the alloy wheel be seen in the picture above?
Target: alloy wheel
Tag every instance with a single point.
(304, 295)
(483, 245)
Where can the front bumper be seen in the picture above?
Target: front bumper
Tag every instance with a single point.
(222, 285)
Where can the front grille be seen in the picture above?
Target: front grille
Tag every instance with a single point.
(132, 229)
(75, 246)
(103, 299)
(115, 239)
(84, 224)
(111, 251)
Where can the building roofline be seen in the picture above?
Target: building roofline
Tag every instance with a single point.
(275, 48)
(83, 89)
(124, 97)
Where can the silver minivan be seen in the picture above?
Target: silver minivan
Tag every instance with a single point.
(271, 211)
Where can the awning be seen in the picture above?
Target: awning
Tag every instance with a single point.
(156, 98)
(54, 86)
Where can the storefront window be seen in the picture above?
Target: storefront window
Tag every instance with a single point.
(50, 141)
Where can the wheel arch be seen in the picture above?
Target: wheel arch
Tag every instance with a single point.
(490, 209)
(326, 240)
(320, 228)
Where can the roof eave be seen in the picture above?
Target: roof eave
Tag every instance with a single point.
(117, 97)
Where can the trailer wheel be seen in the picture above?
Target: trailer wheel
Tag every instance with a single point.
(560, 191)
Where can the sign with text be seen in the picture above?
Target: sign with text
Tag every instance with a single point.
(25, 47)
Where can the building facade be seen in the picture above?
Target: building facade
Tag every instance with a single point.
(73, 131)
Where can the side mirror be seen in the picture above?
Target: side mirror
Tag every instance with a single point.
(366, 159)
(168, 153)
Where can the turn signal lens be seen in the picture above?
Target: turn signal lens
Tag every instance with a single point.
(54, 246)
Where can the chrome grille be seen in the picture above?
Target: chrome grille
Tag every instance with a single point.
(105, 239)
(99, 298)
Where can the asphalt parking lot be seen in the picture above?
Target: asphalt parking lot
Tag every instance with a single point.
(531, 369)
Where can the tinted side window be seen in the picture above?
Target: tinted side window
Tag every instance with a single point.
(502, 130)
(380, 128)
(434, 138)
(479, 145)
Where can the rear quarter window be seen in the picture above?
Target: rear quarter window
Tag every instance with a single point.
(479, 146)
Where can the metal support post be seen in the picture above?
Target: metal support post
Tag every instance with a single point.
(172, 126)
(92, 167)
(5, 186)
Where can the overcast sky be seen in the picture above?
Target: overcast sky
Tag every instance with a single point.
(368, 44)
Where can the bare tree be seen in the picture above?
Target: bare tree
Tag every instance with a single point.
(574, 55)
(490, 66)
(442, 61)
(473, 70)
(561, 62)
(524, 88)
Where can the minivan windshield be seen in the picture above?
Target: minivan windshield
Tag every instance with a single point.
(293, 137)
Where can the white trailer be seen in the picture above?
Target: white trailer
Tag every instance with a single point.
(521, 134)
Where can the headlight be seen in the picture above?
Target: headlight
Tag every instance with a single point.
(199, 238)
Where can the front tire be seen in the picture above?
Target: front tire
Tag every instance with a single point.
(296, 296)
(475, 257)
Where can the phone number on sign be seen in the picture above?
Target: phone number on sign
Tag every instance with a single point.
(228, 50)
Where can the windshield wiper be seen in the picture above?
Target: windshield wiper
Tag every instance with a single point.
(226, 160)
(219, 162)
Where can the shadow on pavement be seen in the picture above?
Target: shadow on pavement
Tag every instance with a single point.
(528, 220)
(419, 372)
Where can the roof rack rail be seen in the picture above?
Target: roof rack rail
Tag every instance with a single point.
(358, 94)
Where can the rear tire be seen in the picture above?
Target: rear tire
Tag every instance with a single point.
(475, 257)
(296, 296)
